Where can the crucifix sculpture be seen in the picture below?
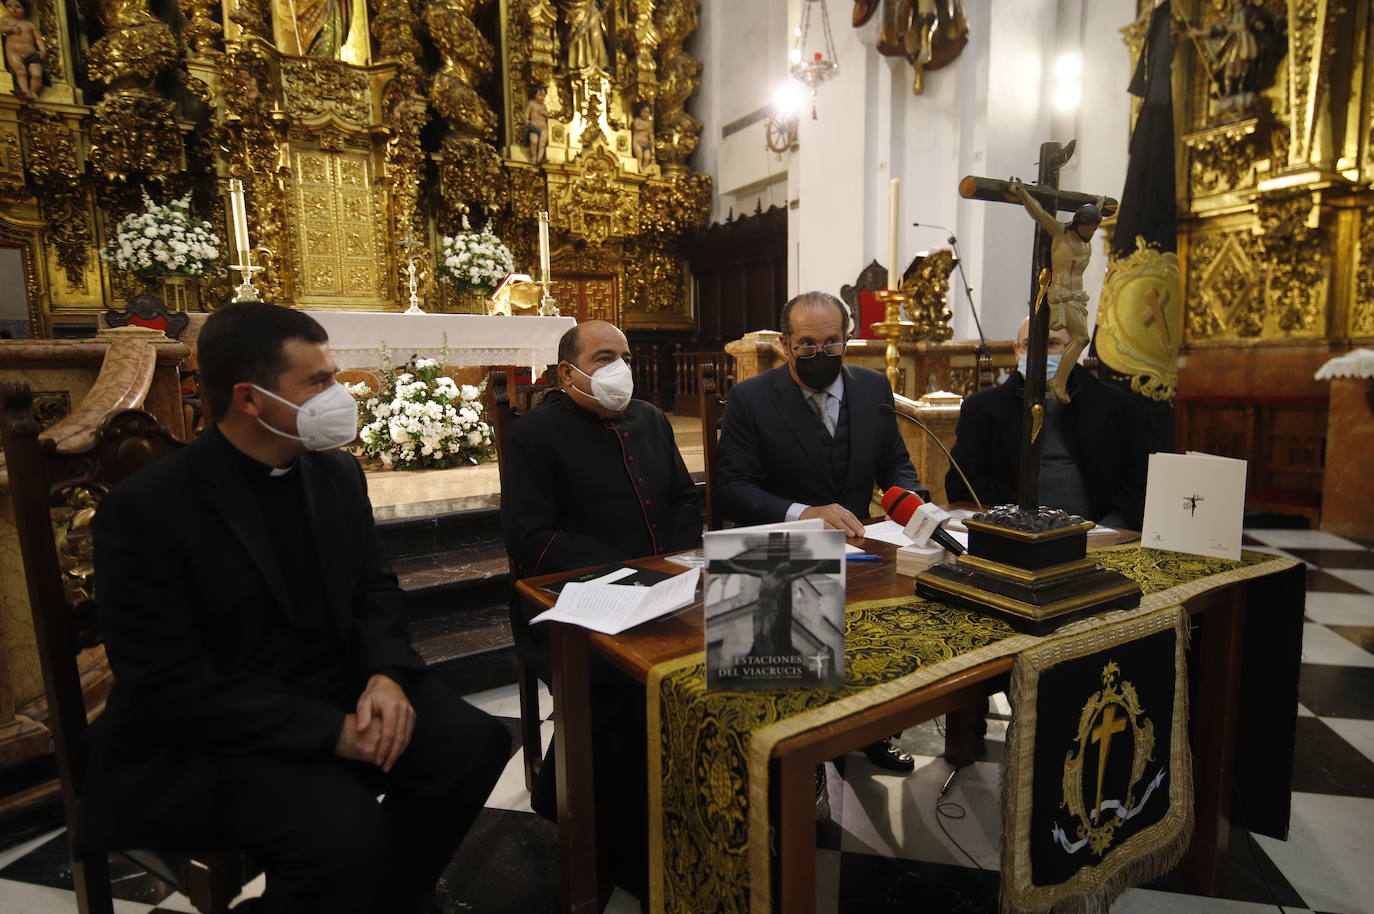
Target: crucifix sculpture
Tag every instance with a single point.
(1026, 564)
(1046, 193)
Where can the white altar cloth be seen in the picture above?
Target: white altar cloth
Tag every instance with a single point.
(356, 337)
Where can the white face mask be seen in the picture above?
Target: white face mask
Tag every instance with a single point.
(1051, 364)
(327, 420)
(612, 385)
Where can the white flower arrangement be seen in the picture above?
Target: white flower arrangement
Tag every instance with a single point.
(474, 260)
(163, 240)
(421, 419)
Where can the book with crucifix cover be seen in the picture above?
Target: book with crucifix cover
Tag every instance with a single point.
(774, 601)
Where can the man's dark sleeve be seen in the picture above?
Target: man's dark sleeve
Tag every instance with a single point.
(381, 643)
(974, 452)
(156, 648)
(894, 462)
(686, 506)
(739, 473)
(529, 514)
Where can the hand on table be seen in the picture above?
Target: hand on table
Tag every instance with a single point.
(836, 517)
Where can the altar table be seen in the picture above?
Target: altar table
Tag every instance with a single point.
(1216, 716)
(356, 337)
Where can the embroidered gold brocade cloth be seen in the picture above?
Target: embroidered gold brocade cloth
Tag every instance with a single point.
(709, 751)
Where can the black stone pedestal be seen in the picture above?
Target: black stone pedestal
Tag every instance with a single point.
(1030, 569)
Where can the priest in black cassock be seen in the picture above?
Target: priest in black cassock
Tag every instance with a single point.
(592, 476)
(266, 691)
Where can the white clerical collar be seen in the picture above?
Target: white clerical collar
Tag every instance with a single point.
(282, 471)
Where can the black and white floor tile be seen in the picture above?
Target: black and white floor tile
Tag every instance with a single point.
(888, 848)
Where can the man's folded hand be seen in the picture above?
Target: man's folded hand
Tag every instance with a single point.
(381, 729)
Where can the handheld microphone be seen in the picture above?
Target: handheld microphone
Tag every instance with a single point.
(921, 520)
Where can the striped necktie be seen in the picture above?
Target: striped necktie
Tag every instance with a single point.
(820, 400)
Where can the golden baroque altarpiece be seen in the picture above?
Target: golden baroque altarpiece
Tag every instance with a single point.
(356, 125)
(1276, 206)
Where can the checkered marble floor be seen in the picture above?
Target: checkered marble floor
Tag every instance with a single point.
(888, 848)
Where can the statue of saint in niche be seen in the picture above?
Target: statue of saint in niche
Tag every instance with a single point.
(586, 34)
(642, 135)
(1243, 51)
(316, 28)
(24, 50)
(537, 123)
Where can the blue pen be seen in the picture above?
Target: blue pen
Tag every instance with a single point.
(863, 557)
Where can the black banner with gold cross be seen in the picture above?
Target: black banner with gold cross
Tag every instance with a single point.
(1097, 781)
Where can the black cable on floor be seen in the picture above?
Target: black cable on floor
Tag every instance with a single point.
(953, 811)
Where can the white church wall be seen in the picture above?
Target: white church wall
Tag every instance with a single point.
(743, 49)
(984, 114)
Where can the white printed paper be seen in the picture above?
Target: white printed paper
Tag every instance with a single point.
(1194, 503)
(613, 608)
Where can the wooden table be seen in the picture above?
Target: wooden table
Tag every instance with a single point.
(1213, 726)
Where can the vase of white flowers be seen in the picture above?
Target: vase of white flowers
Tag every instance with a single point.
(421, 419)
(474, 262)
(164, 240)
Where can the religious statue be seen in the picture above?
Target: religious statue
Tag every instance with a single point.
(1070, 248)
(320, 26)
(1242, 52)
(928, 33)
(642, 134)
(587, 35)
(24, 50)
(537, 124)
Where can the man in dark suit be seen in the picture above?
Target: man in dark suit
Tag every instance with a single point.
(265, 688)
(811, 438)
(1094, 458)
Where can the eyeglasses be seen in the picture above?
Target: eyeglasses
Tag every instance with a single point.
(810, 352)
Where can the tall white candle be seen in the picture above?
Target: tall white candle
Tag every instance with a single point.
(544, 247)
(893, 270)
(240, 216)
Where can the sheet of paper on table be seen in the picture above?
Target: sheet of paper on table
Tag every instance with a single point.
(1194, 503)
(612, 608)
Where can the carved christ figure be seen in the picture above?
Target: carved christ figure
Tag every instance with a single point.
(24, 49)
(1070, 248)
(586, 34)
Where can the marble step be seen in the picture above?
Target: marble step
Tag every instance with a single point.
(431, 534)
(452, 567)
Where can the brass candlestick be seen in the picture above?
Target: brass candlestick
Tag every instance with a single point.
(411, 273)
(894, 328)
(246, 291)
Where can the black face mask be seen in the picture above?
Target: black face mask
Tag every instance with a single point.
(819, 371)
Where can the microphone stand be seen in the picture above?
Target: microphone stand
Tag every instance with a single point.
(982, 353)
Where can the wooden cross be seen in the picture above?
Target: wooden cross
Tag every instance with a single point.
(1046, 191)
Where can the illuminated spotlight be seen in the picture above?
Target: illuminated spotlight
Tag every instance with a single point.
(788, 100)
(1068, 96)
(1068, 67)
